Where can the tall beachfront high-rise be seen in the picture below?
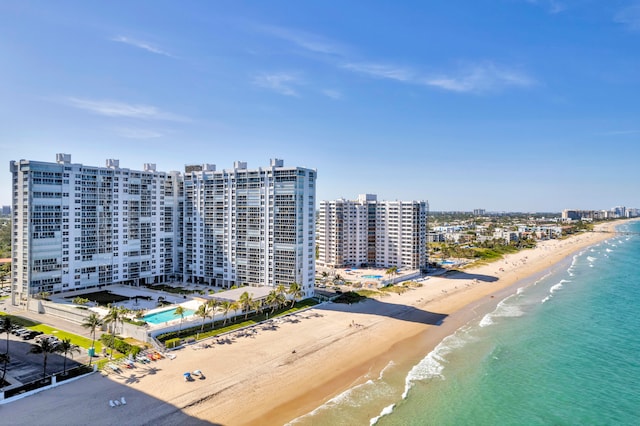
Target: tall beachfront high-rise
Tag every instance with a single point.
(367, 232)
(250, 226)
(77, 227)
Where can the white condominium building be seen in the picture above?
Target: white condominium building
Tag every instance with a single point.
(367, 232)
(250, 226)
(77, 227)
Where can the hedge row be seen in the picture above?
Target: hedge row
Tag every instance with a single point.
(119, 345)
(172, 343)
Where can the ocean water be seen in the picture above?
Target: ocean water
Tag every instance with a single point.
(563, 350)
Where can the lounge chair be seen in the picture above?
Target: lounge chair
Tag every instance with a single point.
(122, 400)
(115, 401)
(111, 403)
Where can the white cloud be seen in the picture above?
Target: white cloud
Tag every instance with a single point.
(132, 133)
(279, 82)
(381, 71)
(121, 109)
(480, 78)
(308, 41)
(333, 94)
(141, 45)
(629, 17)
(476, 78)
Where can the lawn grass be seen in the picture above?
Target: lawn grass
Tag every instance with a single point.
(83, 342)
(80, 341)
(23, 322)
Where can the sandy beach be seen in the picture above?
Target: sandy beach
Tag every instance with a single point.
(275, 372)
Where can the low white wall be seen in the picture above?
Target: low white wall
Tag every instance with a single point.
(67, 312)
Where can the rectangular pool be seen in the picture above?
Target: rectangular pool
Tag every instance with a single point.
(164, 316)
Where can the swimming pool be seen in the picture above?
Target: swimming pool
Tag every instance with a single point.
(164, 316)
(375, 277)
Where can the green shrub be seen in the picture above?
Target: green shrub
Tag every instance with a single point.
(139, 323)
(172, 343)
(119, 345)
(135, 350)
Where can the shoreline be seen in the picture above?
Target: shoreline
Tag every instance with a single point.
(412, 349)
(263, 375)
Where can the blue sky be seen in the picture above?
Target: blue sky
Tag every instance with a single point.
(506, 105)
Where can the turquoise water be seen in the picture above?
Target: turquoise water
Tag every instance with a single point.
(564, 350)
(164, 316)
(377, 277)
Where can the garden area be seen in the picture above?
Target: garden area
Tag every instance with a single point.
(174, 338)
(107, 298)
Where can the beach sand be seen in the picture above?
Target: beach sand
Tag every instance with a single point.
(277, 371)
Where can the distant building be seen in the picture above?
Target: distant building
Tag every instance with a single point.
(367, 232)
(435, 237)
(6, 210)
(479, 212)
(614, 213)
(571, 214)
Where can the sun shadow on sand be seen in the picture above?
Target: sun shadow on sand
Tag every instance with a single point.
(391, 310)
(87, 401)
(460, 275)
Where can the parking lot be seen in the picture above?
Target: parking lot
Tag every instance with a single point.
(25, 367)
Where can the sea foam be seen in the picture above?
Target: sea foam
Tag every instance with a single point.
(385, 411)
(558, 286)
(431, 366)
(503, 310)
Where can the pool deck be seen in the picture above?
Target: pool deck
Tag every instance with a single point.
(361, 275)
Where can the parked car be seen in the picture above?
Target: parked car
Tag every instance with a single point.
(52, 339)
(23, 332)
(30, 335)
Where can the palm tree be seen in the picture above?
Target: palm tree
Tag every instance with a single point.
(44, 347)
(245, 303)
(234, 307)
(180, 311)
(92, 322)
(256, 305)
(5, 359)
(114, 315)
(281, 289)
(226, 306)
(213, 307)
(66, 347)
(271, 300)
(392, 271)
(281, 300)
(295, 291)
(203, 312)
(5, 327)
